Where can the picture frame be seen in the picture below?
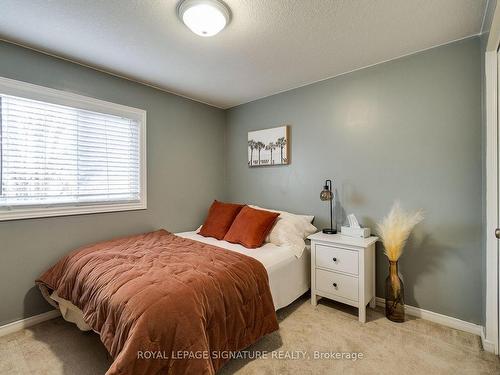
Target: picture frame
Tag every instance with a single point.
(269, 147)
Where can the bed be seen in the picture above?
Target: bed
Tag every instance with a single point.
(248, 285)
(280, 262)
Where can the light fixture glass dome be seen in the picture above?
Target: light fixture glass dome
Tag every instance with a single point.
(326, 195)
(204, 17)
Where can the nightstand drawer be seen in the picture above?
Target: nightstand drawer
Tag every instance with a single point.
(337, 284)
(337, 259)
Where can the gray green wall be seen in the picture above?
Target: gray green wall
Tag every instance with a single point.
(407, 129)
(185, 173)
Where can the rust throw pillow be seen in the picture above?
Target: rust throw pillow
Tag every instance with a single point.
(251, 227)
(220, 217)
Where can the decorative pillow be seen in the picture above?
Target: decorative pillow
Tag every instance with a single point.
(220, 217)
(251, 227)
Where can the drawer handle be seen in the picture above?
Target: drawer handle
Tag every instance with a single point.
(334, 259)
(335, 285)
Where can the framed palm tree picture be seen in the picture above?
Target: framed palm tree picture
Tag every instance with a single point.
(268, 147)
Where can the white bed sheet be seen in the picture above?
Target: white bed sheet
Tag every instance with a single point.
(289, 277)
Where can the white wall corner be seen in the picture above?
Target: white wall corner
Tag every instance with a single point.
(491, 312)
(488, 345)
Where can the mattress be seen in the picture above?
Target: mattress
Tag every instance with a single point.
(289, 276)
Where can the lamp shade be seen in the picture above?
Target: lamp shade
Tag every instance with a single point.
(326, 194)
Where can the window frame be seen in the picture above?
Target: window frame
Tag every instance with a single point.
(30, 91)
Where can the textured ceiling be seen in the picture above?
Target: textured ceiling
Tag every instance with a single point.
(269, 46)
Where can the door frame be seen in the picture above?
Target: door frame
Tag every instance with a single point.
(490, 335)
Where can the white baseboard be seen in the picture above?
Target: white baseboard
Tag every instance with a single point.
(488, 345)
(18, 325)
(444, 320)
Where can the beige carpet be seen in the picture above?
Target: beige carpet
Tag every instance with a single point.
(414, 347)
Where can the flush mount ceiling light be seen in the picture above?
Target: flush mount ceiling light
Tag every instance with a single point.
(204, 17)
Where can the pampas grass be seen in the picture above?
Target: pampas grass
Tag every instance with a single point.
(395, 229)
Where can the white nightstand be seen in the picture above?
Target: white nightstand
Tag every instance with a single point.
(343, 269)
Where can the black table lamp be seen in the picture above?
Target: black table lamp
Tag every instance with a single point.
(327, 195)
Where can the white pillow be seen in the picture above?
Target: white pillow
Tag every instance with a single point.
(290, 230)
(308, 218)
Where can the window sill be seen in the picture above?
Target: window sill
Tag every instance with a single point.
(35, 213)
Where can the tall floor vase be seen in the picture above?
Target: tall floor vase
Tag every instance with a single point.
(394, 295)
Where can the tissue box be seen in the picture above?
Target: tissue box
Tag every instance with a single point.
(355, 232)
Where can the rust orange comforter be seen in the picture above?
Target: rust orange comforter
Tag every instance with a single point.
(163, 304)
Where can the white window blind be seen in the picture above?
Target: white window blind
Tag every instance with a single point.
(56, 156)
